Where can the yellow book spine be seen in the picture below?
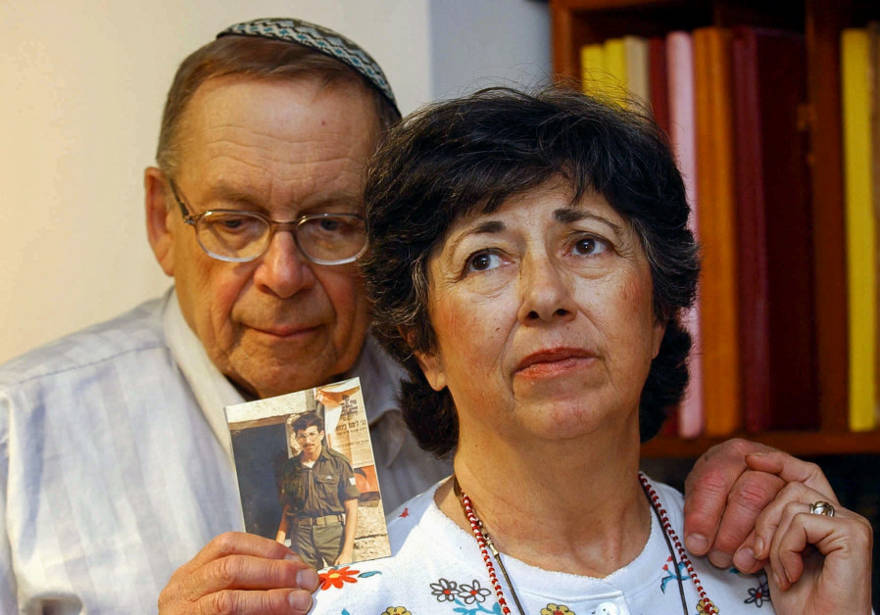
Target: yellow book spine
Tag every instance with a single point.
(860, 225)
(594, 75)
(615, 65)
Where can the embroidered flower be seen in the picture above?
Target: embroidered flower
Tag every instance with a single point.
(556, 609)
(473, 592)
(405, 513)
(444, 590)
(759, 595)
(336, 577)
(706, 607)
(396, 610)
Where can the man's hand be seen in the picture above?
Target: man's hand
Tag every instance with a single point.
(723, 498)
(240, 573)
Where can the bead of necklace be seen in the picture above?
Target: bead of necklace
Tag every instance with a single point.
(705, 605)
(485, 545)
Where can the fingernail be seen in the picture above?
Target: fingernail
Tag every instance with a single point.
(696, 543)
(300, 600)
(744, 559)
(307, 579)
(778, 580)
(759, 547)
(719, 559)
(787, 578)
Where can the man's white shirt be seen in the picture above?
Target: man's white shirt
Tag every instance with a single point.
(116, 465)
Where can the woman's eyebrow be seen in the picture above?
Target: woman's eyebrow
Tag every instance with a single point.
(487, 227)
(570, 214)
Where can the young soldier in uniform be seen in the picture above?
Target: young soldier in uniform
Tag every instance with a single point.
(320, 498)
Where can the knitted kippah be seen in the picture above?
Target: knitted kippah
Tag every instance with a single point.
(322, 39)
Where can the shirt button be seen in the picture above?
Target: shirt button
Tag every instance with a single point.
(608, 608)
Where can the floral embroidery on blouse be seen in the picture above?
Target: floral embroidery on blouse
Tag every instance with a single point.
(557, 609)
(338, 577)
(396, 610)
(680, 574)
(468, 598)
(706, 607)
(472, 592)
(760, 594)
(444, 590)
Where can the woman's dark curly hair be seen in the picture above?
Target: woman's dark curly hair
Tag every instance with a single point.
(474, 153)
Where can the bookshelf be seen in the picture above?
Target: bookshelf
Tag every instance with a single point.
(575, 23)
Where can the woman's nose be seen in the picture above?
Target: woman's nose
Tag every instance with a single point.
(545, 290)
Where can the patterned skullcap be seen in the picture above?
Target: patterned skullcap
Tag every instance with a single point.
(321, 39)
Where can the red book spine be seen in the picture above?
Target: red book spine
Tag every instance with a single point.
(659, 82)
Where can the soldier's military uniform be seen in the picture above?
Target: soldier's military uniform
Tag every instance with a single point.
(313, 498)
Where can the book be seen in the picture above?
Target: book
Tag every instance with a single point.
(638, 75)
(615, 65)
(874, 67)
(300, 460)
(716, 207)
(682, 136)
(659, 80)
(594, 75)
(860, 227)
(774, 231)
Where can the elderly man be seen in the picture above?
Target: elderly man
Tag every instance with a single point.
(115, 463)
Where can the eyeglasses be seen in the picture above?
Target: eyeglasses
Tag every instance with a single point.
(243, 236)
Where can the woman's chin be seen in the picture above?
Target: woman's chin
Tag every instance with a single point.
(568, 420)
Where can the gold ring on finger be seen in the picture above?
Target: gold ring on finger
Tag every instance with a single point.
(821, 507)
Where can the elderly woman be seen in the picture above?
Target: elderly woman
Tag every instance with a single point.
(529, 264)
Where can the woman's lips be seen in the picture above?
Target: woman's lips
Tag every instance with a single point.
(553, 361)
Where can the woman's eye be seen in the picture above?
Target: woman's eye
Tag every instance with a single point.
(482, 261)
(589, 246)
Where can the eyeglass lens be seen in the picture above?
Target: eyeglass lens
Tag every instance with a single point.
(241, 236)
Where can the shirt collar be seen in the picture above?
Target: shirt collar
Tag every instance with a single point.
(212, 390)
(380, 379)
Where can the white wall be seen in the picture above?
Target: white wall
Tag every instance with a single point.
(478, 43)
(83, 84)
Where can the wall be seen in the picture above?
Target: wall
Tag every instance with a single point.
(476, 44)
(84, 82)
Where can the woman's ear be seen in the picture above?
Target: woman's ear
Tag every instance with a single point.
(657, 336)
(431, 362)
(432, 367)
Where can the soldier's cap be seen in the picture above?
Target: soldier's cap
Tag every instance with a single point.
(321, 39)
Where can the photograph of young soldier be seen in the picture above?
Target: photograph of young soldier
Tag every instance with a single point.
(319, 497)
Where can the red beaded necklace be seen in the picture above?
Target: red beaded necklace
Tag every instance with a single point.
(485, 544)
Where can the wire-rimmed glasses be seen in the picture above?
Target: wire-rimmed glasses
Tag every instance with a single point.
(242, 236)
